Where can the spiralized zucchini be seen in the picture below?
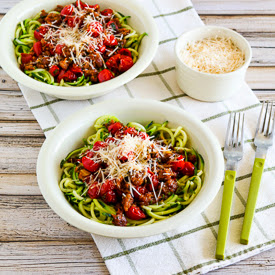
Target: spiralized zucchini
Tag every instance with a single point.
(188, 187)
(24, 40)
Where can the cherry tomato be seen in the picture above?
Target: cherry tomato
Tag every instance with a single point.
(39, 33)
(89, 164)
(71, 21)
(102, 49)
(110, 140)
(67, 10)
(58, 49)
(153, 180)
(107, 186)
(99, 144)
(95, 28)
(125, 63)
(93, 191)
(61, 75)
(131, 131)
(113, 62)
(140, 191)
(114, 127)
(188, 169)
(69, 76)
(76, 69)
(80, 5)
(26, 58)
(110, 197)
(129, 156)
(125, 52)
(178, 165)
(135, 213)
(37, 47)
(107, 12)
(95, 7)
(54, 70)
(110, 40)
(111, 24)
(143, 135)
(105, 75)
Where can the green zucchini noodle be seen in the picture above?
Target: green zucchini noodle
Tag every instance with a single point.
(97, 210)
(24, 40)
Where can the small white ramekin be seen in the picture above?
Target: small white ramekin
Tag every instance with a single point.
(205, 86)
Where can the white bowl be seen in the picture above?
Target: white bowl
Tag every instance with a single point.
(68, 136)
(205, 86)
(140, 20)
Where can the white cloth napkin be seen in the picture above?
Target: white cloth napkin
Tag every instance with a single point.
(191, 248)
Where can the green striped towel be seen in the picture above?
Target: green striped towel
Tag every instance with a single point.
(191, 248)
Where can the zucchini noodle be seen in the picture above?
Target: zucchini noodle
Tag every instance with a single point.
(24, 41)
(97, 210)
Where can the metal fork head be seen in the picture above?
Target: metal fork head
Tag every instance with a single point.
(233, 149)
(265, 126)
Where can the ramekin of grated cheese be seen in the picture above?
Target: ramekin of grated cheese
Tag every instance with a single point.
(211, 62)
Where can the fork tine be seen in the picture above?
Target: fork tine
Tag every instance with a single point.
(260, 117)
(227, 137)
(265, 117)
(238, 129)
(268, 128)
(242, 136)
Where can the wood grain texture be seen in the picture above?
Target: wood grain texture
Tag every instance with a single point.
(34, 240)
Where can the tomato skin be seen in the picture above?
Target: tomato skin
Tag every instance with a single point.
(135, 213)
(108, 185)
(114, 127)
(71, 21)
(126, 62)
(75, 69)
(26, 58)
(141, 190)
(188, 169)
(61, 75)
(111, 24)
(105, 75)
(102, 49)
(131, 131)
(130, 155)
(143, 135)
(110, 140)
(125, 52)
(178, 165)
(54, 70)
(99, 144)
(95, 7)
(110, 41)
(153, 180)
(95, 28)
(93, 191)
(89, 164)
(110, 197)
(67, 10)
(70, 76)
(113, 62)
(107, 12)
(39, 33)
(58, 49)
(80, 5)
(37, 47)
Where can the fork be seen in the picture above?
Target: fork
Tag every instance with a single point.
(263, 140)
(233, 152)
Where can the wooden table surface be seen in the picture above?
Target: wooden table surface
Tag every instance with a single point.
(33, 238)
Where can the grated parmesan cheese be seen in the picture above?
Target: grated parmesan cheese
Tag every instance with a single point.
(215, 55)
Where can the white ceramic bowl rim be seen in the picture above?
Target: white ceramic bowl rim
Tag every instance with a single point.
(55, 198)
(209, 27)
(11, 67)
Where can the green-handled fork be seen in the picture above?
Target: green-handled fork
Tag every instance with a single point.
(263, 140)
(233, 152)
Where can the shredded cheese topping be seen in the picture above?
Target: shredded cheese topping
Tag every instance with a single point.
(215, 55)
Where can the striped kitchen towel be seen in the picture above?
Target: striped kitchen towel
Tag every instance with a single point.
(191, 248)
